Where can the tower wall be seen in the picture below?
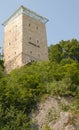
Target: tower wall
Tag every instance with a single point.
(34, 40)
(24, 39)
(12, 47)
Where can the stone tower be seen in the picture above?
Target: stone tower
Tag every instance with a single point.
(24, 39)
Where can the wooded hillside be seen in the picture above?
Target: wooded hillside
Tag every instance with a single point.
(23, 88)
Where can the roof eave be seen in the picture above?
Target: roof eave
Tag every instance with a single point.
(24, 10)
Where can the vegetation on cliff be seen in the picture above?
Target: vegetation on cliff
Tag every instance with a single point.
(23, 88)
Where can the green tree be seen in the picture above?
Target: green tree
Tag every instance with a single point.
(64, 50)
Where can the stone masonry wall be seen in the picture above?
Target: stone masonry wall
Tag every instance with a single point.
(12, 46)
(34, 40)
(24, 41)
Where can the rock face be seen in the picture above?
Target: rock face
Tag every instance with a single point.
(41, 117)
(50, 116)
(70, 127)
(65, 122)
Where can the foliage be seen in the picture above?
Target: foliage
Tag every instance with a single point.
(23, 88)
(64, 50)
(19, 93)
(46, 127)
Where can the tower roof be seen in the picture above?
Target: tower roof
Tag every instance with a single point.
(24, 10)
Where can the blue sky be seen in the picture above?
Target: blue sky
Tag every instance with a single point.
(63, 17)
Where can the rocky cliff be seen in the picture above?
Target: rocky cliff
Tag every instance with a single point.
(52, 114)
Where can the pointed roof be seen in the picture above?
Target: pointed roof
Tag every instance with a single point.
(24, 10)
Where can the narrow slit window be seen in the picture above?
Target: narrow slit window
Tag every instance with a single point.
(31, 52)
(37, 27)
(29, 24)
(37, 41)
(30, 38)
(9, 43)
